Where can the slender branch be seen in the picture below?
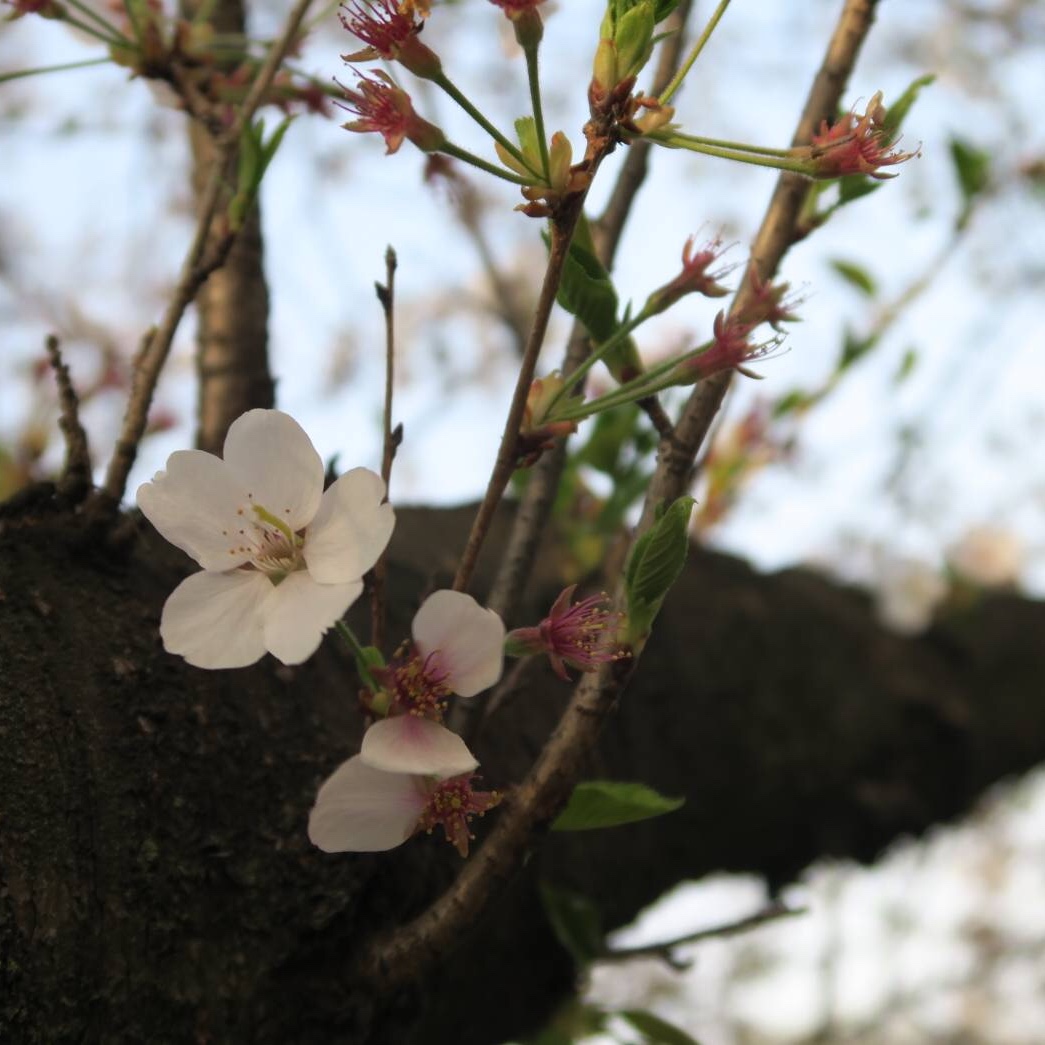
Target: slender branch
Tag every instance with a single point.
(669, 92)
(391, 439)
(506, 454)
(408, 952)
(535, 507)
(156, 345)
(76, 472)
(774, 912)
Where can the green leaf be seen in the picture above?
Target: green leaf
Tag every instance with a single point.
(854, 349)
(855, 276)
(855, 186)
(655, 1030)
(664, 8)
(575, 921)
(897, 112)
(633, 37)
(610, 803)
(656, 561)
(792, 402)
(972, 167)
(906, 367)
(587, 292)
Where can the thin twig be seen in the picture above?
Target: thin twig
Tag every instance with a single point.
(392, 437)
(156, 345)
(507, 456)
(76, 473)
(409, 951)
(664, 950)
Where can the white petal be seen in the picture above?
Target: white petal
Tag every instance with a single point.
(213, 620)
(465, 640)
(299, 612)
(362, 810)
(350, 529)
(198, 505)
(273, 457)
(410, 744)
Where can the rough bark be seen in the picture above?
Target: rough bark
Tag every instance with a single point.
(155, 879)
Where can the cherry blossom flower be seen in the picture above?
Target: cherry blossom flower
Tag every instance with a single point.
(282, 560)
(582, 636)
(857, 145)
(458, 647)
(384, 108)
(909, 592)
(389, 30)
(365, 810)
(988, 556)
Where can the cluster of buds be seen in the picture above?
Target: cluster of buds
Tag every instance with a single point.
(856, 144)
(564, 178)
(580, 635)
(537, 432)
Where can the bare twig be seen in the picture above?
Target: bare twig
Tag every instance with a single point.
(507, 452)
(415, 947)
(155, 346)
(76, 473)
(392, 437)
(665, 949)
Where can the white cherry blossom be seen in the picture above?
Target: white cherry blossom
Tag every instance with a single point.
(365, 810)
(458, 647)
(282, 559)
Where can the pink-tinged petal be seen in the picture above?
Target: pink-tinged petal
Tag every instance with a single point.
(465, 641)
(214, 620)
(411, 744)
(298, 613)
(199, 506)
(363, 810)
(350, 529)
(275, 460)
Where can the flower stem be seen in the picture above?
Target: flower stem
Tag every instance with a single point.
(444, 82)
(754, 156)
(62, 67)
(676, 81)
(112, 32)
(468, 157)
(357, 651)
(533, 75)
(599, 352)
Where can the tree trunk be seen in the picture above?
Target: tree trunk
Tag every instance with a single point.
(156, 882)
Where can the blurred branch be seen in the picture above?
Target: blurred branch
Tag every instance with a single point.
(197, 266)
(664, 950)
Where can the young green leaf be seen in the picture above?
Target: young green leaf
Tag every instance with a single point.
(609, 803)
(575, 921)
(972, 167)
(657, 558)
(897, 112)
(856, 276)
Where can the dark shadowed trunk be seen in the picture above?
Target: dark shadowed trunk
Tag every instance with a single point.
(156, 883)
